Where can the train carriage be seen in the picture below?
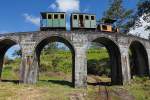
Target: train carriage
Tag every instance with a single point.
(78, 21)
(83, 21)
(53, 20)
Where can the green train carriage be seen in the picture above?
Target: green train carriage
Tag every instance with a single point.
(83, 21)
(53, 21)
(57, 21)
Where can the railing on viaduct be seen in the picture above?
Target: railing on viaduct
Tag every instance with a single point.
(118, 46)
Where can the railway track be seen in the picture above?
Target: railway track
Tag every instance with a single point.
(103, 92)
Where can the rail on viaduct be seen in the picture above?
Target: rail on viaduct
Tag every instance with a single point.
(118, 46)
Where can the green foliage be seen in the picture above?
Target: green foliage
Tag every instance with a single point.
(98, 62)
(58, 61)
(17, 53)
(140, 88)
(9, 73)
(54, 47)
(118, 12)
(7, 60)
(143, 10)
(143, 7)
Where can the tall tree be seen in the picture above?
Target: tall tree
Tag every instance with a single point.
(144, 10)
(142, 18)
(143, 7)
(118, 12)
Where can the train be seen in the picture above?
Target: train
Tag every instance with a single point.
(52, 20)
(78, 21)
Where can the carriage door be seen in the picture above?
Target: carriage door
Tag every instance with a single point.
(81, 22)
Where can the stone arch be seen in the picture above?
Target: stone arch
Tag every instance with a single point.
(5, 44)
(138, 59)
(115, 58)
(44, 41)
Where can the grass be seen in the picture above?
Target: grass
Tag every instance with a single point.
(55, 84)
(54, 90)
(43, 90)
(140, 88)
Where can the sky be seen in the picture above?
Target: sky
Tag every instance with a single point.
(24, 15)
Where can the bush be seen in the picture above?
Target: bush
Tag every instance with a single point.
(98, 67)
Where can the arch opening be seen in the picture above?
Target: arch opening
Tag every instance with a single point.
(61, 58)
(109, 54)
(10, 60)
(138, 59)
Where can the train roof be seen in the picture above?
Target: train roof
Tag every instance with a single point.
(82, 13)
(109, 20)
(52, 12)
(65, 12)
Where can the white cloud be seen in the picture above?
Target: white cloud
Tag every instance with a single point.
(66, 5)
(32, 19)
(140, 31)
(53, 6)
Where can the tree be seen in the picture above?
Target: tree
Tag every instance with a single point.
(118, 12)
(50, 48)
(142, 16)
(144, 9)
(17, 53)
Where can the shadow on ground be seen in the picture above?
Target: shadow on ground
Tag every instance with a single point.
(100, 83)
(11, 81)
(59, 82)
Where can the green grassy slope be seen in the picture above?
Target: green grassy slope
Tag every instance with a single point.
(56, 68)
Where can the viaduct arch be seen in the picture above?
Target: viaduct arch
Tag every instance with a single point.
(40, 45)
(118, 45)
(5, 44)
(138, 59)
(115, 57)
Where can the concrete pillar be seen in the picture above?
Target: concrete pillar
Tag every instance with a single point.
(1, 63)
(29, 64)
(80, 44)
(148, 54)
(80, 68)
(125, 65)
(29, 69)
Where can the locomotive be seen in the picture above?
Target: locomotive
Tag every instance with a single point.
(78, 21)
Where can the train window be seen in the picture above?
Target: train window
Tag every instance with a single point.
(44, 16)
(56, 16)
(104, 27)
(62, 16)
(87, 17)
(49, 16)
(92, 18)
(75, 17)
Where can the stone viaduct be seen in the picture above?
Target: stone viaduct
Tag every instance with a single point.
(118, 45)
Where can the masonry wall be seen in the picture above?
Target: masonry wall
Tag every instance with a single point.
(79, 41)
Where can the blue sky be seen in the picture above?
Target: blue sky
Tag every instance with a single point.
(23, 15)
